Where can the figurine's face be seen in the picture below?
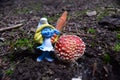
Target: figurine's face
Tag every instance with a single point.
(47, 32)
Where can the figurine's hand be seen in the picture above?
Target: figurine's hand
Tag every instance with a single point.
(40, 47)
(56, 31)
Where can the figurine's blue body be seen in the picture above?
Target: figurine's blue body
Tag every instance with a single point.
(46, 46)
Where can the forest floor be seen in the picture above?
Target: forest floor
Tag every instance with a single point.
(99, 31)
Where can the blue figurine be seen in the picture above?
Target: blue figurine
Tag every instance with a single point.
(43, 35)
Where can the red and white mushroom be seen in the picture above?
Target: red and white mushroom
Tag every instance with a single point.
(69, 47)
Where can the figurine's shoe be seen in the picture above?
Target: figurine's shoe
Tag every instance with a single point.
(39, 60)
(41, 57)
(49, 59)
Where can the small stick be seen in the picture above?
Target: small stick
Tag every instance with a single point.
(94, 68)
(85, 35)
(12, 27)
(105, 68)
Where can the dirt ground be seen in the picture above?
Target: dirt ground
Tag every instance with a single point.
(100, 32)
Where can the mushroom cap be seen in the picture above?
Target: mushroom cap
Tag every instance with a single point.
(69, 47)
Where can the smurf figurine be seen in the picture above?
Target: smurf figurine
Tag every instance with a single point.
(43, 35)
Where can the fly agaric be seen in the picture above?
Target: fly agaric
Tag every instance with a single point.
(69, 48)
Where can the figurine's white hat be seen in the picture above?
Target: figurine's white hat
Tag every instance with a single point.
(42, 21)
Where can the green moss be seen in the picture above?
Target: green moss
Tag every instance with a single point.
(20, 43)
(52, 19)
(92, 44)
(117, 47)
(35, 7)
(118, 36)
(9, 72)
(69, 17)
(23, 10)
(102, 14)
(91, 31)
(78, 13)
(106, 58)
(4, 59)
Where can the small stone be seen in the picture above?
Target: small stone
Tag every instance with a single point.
(2, 39)
(1, 43)
(24, 48)
(57, 78)
(118, 10)
(99, 47)
(91, 13)
(33, 29)
(76, 79)
(110, 22)
(31, 12)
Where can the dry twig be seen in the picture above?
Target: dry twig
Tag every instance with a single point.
(12, 27)
(85, 35)
(105, 68)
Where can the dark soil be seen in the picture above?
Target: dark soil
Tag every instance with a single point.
(101, 60)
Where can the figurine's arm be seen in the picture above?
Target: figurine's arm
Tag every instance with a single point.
(39, 47)
(56, 31)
